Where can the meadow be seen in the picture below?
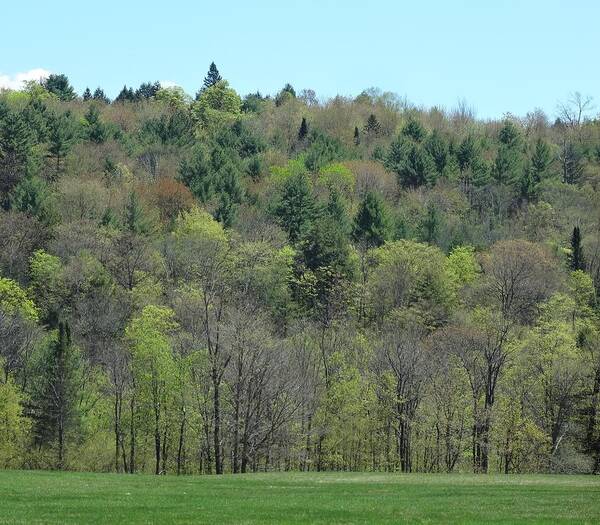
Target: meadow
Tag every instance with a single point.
(58, 497)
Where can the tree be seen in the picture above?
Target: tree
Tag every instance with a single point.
(87, 94)
(212, 77)
(61, 135)
(372, 127)
(296, 205)
(286, 93)
(100, 96)
(371, 224)
(59, 85)
(125, 95)
(414, 130)
(411, 162)
(55, 401)
(356, 136)
(571, 161)
(95, 129)
(576, 258)
(303, 131)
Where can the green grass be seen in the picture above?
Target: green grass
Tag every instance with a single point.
(51, 497)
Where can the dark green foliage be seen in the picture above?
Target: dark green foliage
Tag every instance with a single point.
(371, 224)
(147, 90)
(61, 136)
(411, 162)
(212, 76)
(173, 128)
(538, 170)
(59, 85)
(95, 129)
(135, 220)
(55, 398)
(322, 150)
(509, 167)
(437, 147)
(372, 127)
(414, 130)
(87, 94)
(286, 93)
(468, 153)
(254, 168)
(100, 96)
(196, 174)
(253, 102)
(571, 161)
(296, 206)
(231, 192)
(126, 95)
(31, 196)
(356, 136)
(430, 225)
(336, 209)
(303, 131)
(576, 258)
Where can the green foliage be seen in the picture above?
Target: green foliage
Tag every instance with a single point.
(59, 85)
(412, 163)
(295, 207)
(14, 300)
(371, 224)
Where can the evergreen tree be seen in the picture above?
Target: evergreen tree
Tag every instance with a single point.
(212, 77)
(296, 206)
(286, 93)
(87, 94)
(571, 161)
(508, 167)
(372, 127)
(336, 210)
(147, 90)
(437, 147)
(135, 220)
(371, 224)
(431, 224)
(125, 95)
(59, 85)
(95, 129)
(55, 398)
(61, 136)
(197, 174)
(411, 162)
(303, 131)
(576, 258)
(100, 96)
(356, 136)
(414, 130)
(231, 192)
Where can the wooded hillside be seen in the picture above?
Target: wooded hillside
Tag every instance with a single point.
(219, 284)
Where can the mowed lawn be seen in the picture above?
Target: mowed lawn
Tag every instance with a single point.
(51, 497)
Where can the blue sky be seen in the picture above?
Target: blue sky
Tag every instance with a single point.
(500, 56)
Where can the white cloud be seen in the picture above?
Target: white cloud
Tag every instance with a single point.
(17, 80)
(168, 84)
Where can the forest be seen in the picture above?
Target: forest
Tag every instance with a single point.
(215, 283)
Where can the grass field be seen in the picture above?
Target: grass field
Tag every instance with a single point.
(51, 497)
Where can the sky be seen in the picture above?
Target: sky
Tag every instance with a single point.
(499, 56)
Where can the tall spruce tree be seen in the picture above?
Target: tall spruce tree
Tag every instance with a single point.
(303, 131)
(55, 398)
(212, 77)
(87, 94)
(576, 258)
(356, 136)
(371, 225)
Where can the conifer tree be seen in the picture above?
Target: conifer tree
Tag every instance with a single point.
(87, 94)
(55, 398)
(212, 77)
(372, 127)
(576, 258)
(303, 131)
(356, 136)
(100, 96)
(371, 225)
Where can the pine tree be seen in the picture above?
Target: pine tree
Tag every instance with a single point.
(371, 225)
(212, 77)
(336, 210)
(95, 128)
(571, 161)
(372, 127)
(87, 94)
(100, 96)
(296, 206)
(576, 258)
(61, 135)
(356, 136)
(303, 131)
(126, 95)
(431, 224)
(59, 85)
(55, 397)
(414, 130)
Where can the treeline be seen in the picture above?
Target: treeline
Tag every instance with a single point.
(219, 284)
